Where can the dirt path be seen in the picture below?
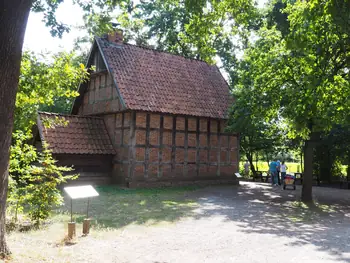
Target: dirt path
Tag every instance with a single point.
(250, 223)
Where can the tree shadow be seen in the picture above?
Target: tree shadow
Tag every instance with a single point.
(260, 208)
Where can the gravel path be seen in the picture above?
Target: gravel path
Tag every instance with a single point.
(250, 223)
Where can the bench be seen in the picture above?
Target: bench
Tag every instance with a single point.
(263, 176)
(345, 182)
(299, 177)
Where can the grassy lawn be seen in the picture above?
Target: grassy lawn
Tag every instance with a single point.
(117, 207)
(292, 167)
(111, 212)
(263, 166)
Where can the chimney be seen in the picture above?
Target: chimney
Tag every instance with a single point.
(116, 36)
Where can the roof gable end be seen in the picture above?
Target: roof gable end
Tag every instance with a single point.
(150, 80)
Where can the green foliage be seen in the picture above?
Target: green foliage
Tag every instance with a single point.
(277, 17)
(43, 85)
(258, 134)
(260, 127)
(204, 30)
(34, 178)
(49, 7)
(297, 72)
(304, 76)
(34, 175)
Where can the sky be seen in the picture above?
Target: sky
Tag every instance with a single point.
(39, 39)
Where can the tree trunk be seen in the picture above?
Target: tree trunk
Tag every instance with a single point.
(267, 160)
(326, 163)
(13, 21)
(301, 161)
(250, 160)
(306, 194)
(4, 251)
(348, 169)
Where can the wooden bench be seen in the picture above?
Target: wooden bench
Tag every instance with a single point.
(260, 175)
(299, 177)
(345, 182)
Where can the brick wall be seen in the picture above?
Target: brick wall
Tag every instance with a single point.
(155, 147)
(101, 96)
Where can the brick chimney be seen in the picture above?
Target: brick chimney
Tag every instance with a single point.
(116, 36)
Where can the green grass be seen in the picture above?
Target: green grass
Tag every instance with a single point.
(292, 167)
(114, 210)
(263, 166)
(117, 207)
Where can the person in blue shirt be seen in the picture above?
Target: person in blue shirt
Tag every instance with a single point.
(273, 171)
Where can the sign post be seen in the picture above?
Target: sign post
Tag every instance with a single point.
(78, 192)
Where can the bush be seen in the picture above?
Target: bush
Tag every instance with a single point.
(34, 178)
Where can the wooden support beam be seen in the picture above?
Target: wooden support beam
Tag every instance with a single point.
(160, 153)
(173, 148)
(209, 144)
(185, 168)
(197, 146)
(132, 143)
(219, 150)
(148, 119)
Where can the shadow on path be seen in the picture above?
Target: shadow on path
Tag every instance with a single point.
(255, 208)
(261, 208)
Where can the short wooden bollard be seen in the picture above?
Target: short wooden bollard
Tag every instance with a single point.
(71, 230)
(86, 226)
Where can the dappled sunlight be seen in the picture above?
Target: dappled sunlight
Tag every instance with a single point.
(256, 201)
(272, 195)
(266, 210)
(252, 212)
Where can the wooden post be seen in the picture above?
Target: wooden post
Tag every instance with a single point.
(71, 230)
(86, 226)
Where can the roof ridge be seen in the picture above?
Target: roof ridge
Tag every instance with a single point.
(69, 115)
(160, 51)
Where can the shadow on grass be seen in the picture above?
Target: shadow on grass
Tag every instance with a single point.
(117, 207)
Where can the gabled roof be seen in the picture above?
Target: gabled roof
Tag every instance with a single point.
(156, 81)
(81, 135)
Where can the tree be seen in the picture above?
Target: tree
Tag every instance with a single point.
(34, 178)
(33, 173)
(306, 73)
(13, 19)
(204, 30)
(259, 132)
(43, 84)
(317, 69)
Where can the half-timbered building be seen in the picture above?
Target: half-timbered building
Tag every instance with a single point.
(146, 117)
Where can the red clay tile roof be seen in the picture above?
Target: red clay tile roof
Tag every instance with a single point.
(82, 135)
(151, 80)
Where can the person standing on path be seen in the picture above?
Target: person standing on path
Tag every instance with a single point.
(278, 171)
(273, 172)
(246, 168)
(283, 171)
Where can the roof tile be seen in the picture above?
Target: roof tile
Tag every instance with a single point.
(82, 135)
(150, 80)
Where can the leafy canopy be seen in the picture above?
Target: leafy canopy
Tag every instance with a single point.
(43, 84)
(304, 77)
